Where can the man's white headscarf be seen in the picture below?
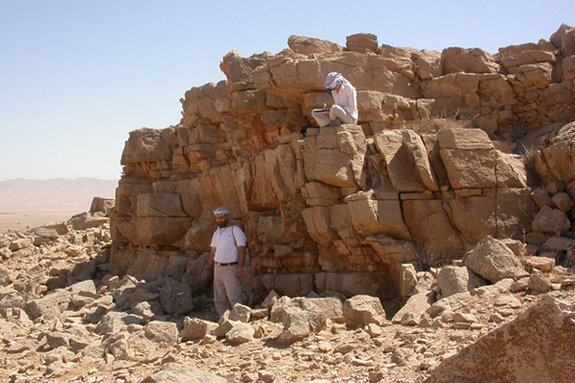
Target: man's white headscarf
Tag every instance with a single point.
(332, 80)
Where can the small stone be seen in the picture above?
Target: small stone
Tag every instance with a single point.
(266, 377)
(447, 316)
(520, 285)
(325, 346)
(375, 376)
(461, 325)
(374, 330)
(344, 348)
(545, 264)
(539, 284)
(562, 201)
(17, 348)
(240, 313)
(240, 333)
(464, 318)
(249, 377)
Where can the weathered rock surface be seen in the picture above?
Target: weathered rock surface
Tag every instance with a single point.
(110, 329)
(355, 198)
(513, 352)
(341, 223)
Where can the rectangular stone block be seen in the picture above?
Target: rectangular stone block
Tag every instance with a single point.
(469, 168)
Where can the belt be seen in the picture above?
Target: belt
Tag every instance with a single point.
(226, 264)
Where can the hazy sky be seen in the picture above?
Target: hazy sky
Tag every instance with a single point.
(77, 76)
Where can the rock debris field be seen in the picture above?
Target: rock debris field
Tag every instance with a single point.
(498, 315)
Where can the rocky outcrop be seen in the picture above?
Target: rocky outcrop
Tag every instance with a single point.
(64, 317)
(401, 186)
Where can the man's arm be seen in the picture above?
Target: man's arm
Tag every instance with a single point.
(353, 102)
(241, 260)
(348, 99)
(210, 267)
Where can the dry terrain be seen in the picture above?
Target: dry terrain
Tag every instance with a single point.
(64, 319)
(30, 203)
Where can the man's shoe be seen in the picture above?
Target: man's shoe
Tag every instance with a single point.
(335, 122)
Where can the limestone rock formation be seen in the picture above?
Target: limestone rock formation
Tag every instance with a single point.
(428, 171)
(461, 163)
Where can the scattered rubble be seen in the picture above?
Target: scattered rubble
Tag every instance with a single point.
(64, 318)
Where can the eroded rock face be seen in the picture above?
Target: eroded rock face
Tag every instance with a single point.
(356, 226)
(513, 352)
(350, 198)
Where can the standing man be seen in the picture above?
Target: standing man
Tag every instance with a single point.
(344, 99)
(226, 261)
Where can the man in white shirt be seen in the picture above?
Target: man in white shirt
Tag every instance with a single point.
(345, 102)
(226, 261)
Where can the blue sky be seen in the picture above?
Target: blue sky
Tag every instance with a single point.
(77, 76)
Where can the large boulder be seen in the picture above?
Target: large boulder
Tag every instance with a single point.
(20, 243)
(176, 297)
(469, 158)
(537, 346)
(50, 306)
(432, 229)
(494, 261)
(335, 156)
(349, 284)
(361, 310)
(44, 235)
(300, 317)
(407, 161)
(552, 221)
(193, 275)
(454, 279)
(474, 60)
(196, 328)
(330, 307)
(159, 205)
(413, 310)
(294, 285)
(308, 45)
(152, 341)
(362, 42)
(102, 205)
(240, 333)
(371, 216)
(87, 220)
(115, 322)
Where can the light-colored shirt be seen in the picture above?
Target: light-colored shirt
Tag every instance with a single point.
(225, 245)
(346, 98)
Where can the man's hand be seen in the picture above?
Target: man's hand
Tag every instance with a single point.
(206, 275)
(240, 272)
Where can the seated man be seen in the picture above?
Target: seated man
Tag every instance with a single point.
(345, 102)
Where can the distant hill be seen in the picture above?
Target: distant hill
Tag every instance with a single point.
(55, 193)
(30, 203)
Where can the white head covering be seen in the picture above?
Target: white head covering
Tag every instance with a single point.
(222, 210)
(332, 80)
